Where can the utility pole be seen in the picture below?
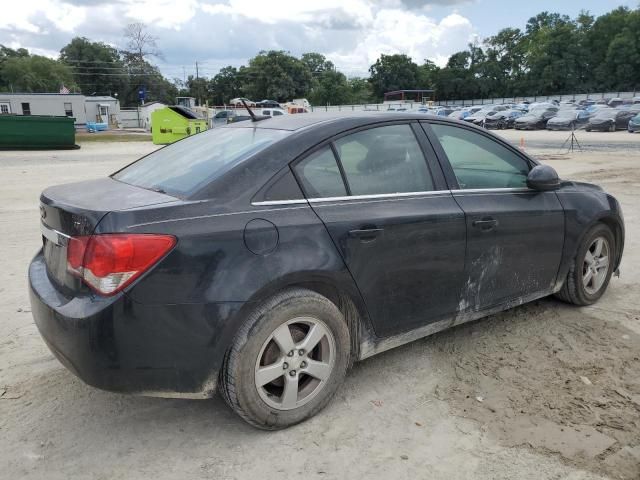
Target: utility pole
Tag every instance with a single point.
(197, 85)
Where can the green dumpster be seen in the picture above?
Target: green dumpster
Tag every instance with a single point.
(170, 124)
(27, 132)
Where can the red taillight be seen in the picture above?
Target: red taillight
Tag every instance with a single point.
(110, 262)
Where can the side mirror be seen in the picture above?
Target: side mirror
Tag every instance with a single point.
(543, 177)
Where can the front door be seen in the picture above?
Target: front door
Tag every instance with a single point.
(402, 239)
(515, 235)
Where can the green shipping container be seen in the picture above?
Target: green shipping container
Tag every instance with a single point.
(33, 132)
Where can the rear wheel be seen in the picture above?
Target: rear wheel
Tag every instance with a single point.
(591, 271)
(287, 361)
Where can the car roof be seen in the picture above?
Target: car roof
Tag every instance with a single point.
(301, 121)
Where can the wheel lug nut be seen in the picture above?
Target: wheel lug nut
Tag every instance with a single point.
(285, 365)
(290, 354)
(303, 365)
(292, 373)
(301, 352)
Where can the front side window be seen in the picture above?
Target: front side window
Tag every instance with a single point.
(480, 162)
(68, 109)
(185, 167)
(26, 109)
(320, 175)
(384, 160)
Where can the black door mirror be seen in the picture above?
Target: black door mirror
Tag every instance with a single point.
(543, 177)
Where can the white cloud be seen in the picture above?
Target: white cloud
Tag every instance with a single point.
(352, 33)
(162, 13)
(20, 15)
(398, 31)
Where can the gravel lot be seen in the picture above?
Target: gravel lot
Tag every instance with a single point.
(543, 391)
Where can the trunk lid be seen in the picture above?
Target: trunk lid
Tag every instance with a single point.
(76, 209)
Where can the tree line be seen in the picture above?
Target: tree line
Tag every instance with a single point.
(554, 54)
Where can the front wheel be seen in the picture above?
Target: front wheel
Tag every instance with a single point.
(591, 271)
(287, 361)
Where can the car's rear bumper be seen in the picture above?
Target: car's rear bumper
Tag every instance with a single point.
(120, 345)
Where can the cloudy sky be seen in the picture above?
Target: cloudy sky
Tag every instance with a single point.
(215, 33)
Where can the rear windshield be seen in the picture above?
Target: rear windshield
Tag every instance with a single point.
(183, 168)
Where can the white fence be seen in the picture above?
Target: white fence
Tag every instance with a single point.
(479, 101)
(130, 118)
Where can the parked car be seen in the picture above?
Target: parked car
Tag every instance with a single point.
(479, 117)
(536, 119)
(271, 112)
(568, 119)
(238, 118)
(464, 113)
(634, 124)
(220, 118)
(502, 120)
(260, 259)
(610, 120)
(237, 102)
(268, 104)
(615, 102)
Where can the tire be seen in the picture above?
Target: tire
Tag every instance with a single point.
(587, 129)
(612, 128)
(299, 312)
(574, 289)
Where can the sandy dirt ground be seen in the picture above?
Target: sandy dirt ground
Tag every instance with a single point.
(542, 391)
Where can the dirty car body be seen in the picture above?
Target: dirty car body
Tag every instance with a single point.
(300, 201)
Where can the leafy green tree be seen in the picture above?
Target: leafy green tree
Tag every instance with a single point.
(35, 74)
(393, 72)
(225, 85)
(97, 68)
(275, 75)
(360, 91)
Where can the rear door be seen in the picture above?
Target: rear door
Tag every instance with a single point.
(515, 235)
(400, 232)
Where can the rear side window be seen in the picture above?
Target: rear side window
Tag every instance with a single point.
(479, 161)
(184, 167)
(320, 175)
(384, 160)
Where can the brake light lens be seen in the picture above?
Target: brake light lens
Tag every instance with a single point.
(108, 263)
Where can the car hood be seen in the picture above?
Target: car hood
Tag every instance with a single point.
(528, 118)
(601, 120)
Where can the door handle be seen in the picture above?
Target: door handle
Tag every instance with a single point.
(366, 234)
(485, 224)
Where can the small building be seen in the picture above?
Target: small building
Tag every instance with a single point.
(56, 104)
(101, 109)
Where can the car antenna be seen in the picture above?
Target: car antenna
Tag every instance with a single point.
(254, 118)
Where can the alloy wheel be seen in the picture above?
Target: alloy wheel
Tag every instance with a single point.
(295, 363)
(595, 266)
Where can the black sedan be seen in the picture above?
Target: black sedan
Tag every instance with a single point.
(610, 120)
(502, 120)
(261, 259)
(535, 119)
(268, 104)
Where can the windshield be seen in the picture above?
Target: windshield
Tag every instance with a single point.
(606, 114)
(184, 167)
(566, 114)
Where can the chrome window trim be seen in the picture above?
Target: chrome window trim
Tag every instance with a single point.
(493, 190)
(379, 196)
(382, 196)
(279, 202)
(54, 236)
